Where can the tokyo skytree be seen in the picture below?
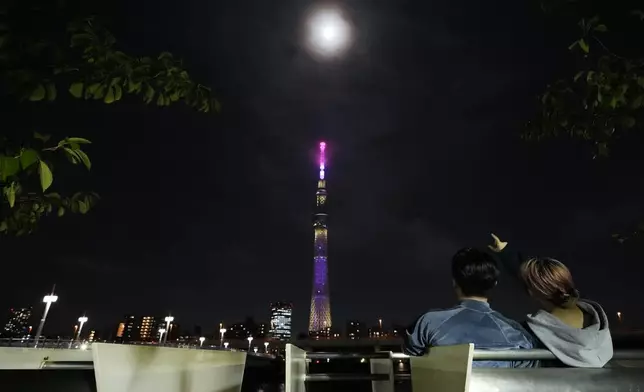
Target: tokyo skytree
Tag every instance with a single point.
(320, 316)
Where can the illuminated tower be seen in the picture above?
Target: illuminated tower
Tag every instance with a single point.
(320, 317)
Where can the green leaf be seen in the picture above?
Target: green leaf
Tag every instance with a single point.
(583, 45)
(3, 226)
(132, 86)
(76, 89)
(71, 155)
(601, 28)
(10, 194)
(149, 94)
(613, 102)
(637, 102)
(83, 207)
(51, 91)
(628, 121)
(109, 97)
(44, 138)
(53, 195)
(38, 94)
(579, 75)
(28, 157)
(118, 92)
(78, 140)
(84, 158)
(638, 13)
(602, 148)
(46, 177)
(92, 89)
(61, 211)
(9, 166)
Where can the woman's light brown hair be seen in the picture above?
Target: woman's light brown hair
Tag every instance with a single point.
(550, 280)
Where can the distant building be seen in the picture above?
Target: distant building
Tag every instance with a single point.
(126, 329)
(92, 336)
(237, 331)
(18, 323)
(148, 329)
(324, 333)
(281, 314)
(175, 332)
(247, 329)
(356, 330)
(263, 331)
(377, 332)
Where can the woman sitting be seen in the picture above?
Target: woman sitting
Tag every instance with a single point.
(575, 330)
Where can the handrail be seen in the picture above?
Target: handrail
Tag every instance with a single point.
(479, 355)
(324, 355)
(540, 355)
(81, 365)
(345, 377)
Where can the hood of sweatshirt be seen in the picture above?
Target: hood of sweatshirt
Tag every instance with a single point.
(590, 347)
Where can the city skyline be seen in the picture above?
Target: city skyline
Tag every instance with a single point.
(142, 328)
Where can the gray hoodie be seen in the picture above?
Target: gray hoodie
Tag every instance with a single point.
(590, 347)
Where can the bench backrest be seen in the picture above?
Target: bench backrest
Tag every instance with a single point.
(449, 369)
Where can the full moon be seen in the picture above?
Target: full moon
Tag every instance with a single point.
(328, 32)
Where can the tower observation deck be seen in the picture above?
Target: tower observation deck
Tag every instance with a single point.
(320, 316)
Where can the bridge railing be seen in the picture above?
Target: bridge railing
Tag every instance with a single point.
(449, 369)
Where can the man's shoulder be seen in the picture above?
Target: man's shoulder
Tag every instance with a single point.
(437, 315)
(512, 323)
(520, 333)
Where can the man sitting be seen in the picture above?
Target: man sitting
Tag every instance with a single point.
(474, 274)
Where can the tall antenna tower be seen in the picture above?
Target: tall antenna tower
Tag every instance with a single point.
(320, 316)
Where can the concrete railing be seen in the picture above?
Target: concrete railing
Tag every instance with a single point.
(449, 369)
(129, 368)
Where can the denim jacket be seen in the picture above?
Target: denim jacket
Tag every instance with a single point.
(470, 322)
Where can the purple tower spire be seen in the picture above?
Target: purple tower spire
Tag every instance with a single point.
(320, 317)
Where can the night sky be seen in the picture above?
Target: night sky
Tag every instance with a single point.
(208, 217)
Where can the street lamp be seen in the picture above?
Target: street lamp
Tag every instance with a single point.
(201, 340)
(222, 331)
(161, 332)
(226, 345)
(250, 339)
(255, 349)
(48, 300)
(266, 347)
(168, 327)
(82, 320)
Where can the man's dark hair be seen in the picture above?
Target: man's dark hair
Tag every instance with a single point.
(474, 272)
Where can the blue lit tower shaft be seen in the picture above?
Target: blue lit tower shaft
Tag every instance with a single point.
(320, 316)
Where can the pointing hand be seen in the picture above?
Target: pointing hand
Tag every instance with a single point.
(498, 244)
